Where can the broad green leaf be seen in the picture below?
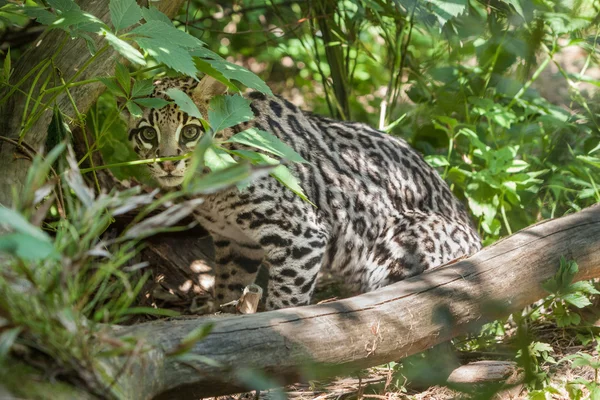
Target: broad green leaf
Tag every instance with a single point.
(153, 14)
(142, 88)
(152, 102)
(124, 48)
(578, 300)
(77, 19)
(256, 158)
(42, 15)
(217, 159)
(175, 57)
(122, 75)
(17, 223)
(219, 180)
(235, 72)
(517, 6)
(445, 10)
(285, 176)
(584, 287)
(27, 247)
(268, 142)
(166, 35)
(63, 5)
(113, 87)
(184, 102)
(437, 161)
(207, 69)
(124, 13)
(227, 111)
(134, 109)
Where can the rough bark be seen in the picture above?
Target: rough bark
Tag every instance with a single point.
(388, 324)
(73, 55)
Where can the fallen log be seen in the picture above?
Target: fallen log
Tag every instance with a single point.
(388, 324)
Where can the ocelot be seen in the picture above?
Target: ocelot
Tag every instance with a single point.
(382, 213)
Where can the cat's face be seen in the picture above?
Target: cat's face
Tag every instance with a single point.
(170, 132)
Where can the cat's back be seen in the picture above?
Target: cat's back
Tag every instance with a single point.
(352, 166)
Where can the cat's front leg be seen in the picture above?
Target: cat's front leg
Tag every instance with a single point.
(236, 266)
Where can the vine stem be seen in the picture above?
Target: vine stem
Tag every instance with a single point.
(136, 162)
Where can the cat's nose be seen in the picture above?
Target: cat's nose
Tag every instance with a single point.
(168, 166)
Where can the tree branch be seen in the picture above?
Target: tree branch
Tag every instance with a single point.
(386, 325)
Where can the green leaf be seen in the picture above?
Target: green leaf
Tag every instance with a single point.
(27, 247)
(584, 287)
(42, 15)
(122, 75)
(153, 14)
(227, 111)
(175, 57)
(217, 159)
(77, 20)
(445, 10)
(63, 5)
(152, 102)
(268, 142)
(166, 35)
(578, 300)
(124, 13)
(221, 179)
(437, 161)
(113, 87)
(7, 339)
(284, 175)
(256, 158)
(134, 109)
(17, 223)
(184, 102)
(232, 71)
(517, 6)
(142, 88)
(124, 48)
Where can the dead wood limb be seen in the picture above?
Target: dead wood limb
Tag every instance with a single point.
(388, 324)
(483, 372)
(71, 58)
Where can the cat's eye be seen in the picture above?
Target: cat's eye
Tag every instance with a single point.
(190, 132)
(148, 133)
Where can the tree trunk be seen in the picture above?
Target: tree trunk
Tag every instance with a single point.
(391, 323)
(72, 57)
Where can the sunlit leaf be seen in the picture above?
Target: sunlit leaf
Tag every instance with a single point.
(142, 88)
(217, 159)
(124, 48)
(124, 13)
(27, 247)
(184, 102)
(268, 142)
(227, 111)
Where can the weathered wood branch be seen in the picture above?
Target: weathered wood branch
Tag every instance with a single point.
(68, 61)
(367, 330)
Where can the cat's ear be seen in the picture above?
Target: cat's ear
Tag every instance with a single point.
(208, 87)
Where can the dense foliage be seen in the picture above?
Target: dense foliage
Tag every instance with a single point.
(500, 96)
